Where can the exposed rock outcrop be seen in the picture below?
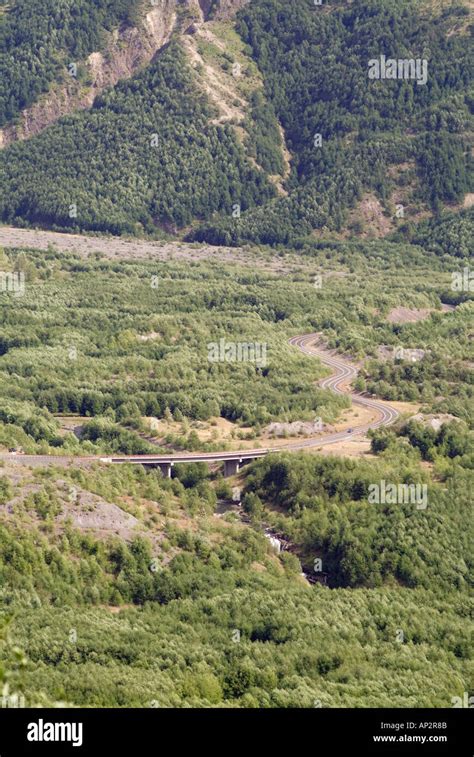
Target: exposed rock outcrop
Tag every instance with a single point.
(225, 9)
(129, 49)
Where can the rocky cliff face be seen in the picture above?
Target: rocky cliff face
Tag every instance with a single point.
(217, 9)
(128, 50)
(225, 9)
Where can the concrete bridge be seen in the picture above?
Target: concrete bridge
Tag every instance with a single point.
(233, 461)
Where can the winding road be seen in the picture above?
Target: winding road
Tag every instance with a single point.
(343, 373)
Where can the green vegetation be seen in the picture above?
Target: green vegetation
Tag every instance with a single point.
(150, 158)
(136, 343)
(298, 648)
(38, 40)
(188, 612)
(165, 165)
(346, 133)
(264, 141)
(452, 234)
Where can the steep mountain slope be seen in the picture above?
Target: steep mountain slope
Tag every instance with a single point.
(38, 39)
(298, 138)
(146, 155)
(114, 54)
(405, 141)
(57, 57)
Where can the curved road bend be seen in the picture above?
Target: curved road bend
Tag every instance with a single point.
(343, 372)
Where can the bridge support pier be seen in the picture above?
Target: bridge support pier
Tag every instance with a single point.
(165, 469)
(231, 467)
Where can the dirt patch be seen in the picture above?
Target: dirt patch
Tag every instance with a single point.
(89, 512)
(435, 421)
(148, 337)
(226, 9)
(468, 200)
(119, 248)
(357, 415)
(370, 215)
(115, 609)
(71, 424)
(357, 447)
(410, 355)
(214, 430)
(298, 428)
(216, 86)
(86, 511)
(405, 408)
(413, 315)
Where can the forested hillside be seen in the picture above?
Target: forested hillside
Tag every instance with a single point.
(196, 609)
(452, 234)
(301, 286)
(145, 156)
(348, 134)
(38, 39)
(153, 155)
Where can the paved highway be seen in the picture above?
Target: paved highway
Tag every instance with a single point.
(343, 373)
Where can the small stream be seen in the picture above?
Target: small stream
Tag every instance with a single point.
(277, 541)
(280, 544)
